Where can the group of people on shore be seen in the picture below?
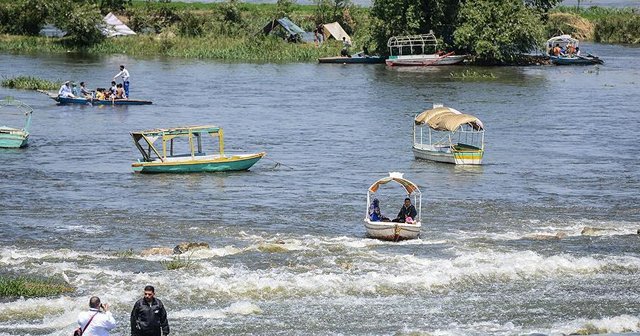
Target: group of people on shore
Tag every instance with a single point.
(115, 91)
(407, 212)
(148, 317)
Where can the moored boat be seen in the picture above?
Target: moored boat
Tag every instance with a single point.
(419, 50)
(165, 160)
(388, 230)
(91, 101)
(452, 137)
(358, 58)
(568, 52)
(11, 137)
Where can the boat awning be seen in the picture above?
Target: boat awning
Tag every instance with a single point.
(447, 119)
(562, 40)
(409, 186)
(154, 133)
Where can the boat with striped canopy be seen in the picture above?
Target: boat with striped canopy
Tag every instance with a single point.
(388, 230)
(166, 159)
(11, 109)
(452, 136)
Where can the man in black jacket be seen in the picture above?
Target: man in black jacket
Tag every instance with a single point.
(407, 210)
(148, 317)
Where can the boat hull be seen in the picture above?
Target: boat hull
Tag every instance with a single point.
(392, 231)
(352, 60)
(13, 138)
(85, 101)
(462, 155)
(198, 165)
(559, 60)
(424, 60)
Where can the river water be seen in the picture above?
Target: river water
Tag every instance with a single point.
(288, 251)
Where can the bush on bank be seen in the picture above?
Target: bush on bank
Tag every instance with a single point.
(604, 25)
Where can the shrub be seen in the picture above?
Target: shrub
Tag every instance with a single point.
(29, 83)
(191, 24)
(81, 22)
(31, 287)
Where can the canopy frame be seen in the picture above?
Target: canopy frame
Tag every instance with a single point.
(426, 43)
(192, 133)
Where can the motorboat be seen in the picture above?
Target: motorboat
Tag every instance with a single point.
(569, 52)
(419, 50)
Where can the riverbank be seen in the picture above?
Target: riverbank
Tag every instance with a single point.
(233, 31)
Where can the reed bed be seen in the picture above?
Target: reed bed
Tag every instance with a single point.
(30, 83)
(601, 24)
(469, 74)
(31, 287)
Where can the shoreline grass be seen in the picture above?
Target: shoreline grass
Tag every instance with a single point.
(26, 286)
(29, 83)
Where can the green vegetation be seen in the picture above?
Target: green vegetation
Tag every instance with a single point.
(31, 287)
(605, 25)
(124, 253)
(495, 32)
(179, 262)
(469, 74)
(30, 83)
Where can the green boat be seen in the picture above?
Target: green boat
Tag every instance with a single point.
(169, 160)
(14, 137)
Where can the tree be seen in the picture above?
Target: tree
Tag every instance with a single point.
(82, 23)
(409, 17)
(497, 31)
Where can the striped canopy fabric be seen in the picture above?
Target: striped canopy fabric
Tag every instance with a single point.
(409, 186)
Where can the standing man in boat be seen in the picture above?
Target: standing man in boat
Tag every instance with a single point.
(124, 73)
(407, 211)
(148, 317)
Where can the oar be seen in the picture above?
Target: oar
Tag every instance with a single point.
(593, 59)
(51, 95)
(439, 58)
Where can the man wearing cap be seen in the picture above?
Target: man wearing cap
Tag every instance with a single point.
(65, 91)
(124, 73)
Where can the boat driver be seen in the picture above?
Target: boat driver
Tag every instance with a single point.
(407, 213)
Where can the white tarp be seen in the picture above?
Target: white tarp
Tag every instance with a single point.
(115, 27)
(335, 29)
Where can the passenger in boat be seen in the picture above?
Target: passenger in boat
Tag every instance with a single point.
(377, 216)
(74, 90)
(557, 50)
(577, 51)
(84, 91)
(407, 212)
(100, 94)
(113, 89)
(65, 90)
(345, 47)
(120, 94)
(374, 204)
(570, 50)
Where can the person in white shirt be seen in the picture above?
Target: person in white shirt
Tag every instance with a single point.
(124, 73)
(97, 321)
(65, 91)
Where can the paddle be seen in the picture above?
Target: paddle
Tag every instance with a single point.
(51, 95)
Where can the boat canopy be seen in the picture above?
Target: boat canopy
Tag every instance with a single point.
(562, 40)
(409, 186)
(447, 119)
(424, 42)
(193, 133)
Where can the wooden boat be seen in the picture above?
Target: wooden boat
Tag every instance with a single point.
(453, 137)
(387, 230)
(90, 101)
(164, 160)
(14, 137)
(358, 58)
(571, 52)
(402, 50)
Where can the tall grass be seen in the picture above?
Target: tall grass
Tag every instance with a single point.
(608, 25)
(29, 83)
(31, 287)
